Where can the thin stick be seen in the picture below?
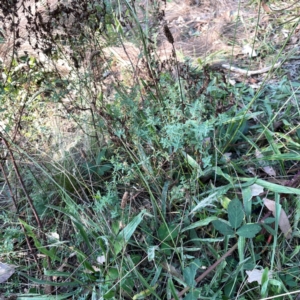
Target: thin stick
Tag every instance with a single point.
(250, 73)
(210, 269)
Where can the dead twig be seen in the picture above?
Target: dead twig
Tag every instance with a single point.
(209, 269)
(30, 202)
(250, 73)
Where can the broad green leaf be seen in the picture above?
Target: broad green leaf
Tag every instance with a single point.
(219, 171)
(192, 162)
(112, 274)
(249, 230)
(273, 186)
(189, 273)
(223, 227)
(200, 223)
(235, 213)
(109, 294)
(168, 233)
(124, 236)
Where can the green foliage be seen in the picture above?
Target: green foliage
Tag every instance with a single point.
(236, 216)
(131, 169)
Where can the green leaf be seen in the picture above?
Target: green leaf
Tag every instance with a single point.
(82, 230)
(39, 281)
(57, 273)
(189, 273)
(223, 227)
(103, 168)
(273, 186)
(168, 233)
(112, 274)
(171, 287)
(43, 249)
(208, 201)
(219, 171)
(109, 294)
(144, 294)
(264, 282)
(269, 229)
(100, 156)
(124, 236)
(200, 223)
(143, 280)
(192, 295)
(192, 162)
(247, 196)
(235, 213)
(249, 230)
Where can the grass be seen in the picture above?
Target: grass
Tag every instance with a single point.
(125, 177)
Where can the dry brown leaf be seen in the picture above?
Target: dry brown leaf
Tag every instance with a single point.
(284, 223)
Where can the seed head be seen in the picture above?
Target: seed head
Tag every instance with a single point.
(168, 34)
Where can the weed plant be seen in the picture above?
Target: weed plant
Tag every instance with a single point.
(127, 177)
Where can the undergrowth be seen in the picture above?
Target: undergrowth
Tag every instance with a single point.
(141, 178)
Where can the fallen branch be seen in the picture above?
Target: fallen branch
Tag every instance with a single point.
(250, 73)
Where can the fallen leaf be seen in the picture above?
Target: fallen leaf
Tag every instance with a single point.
(101, 259)
(284, 223)
(256, 189)
(256, 275)
(6, 271)
(258, 154)
(269, 170)
(247, 49)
